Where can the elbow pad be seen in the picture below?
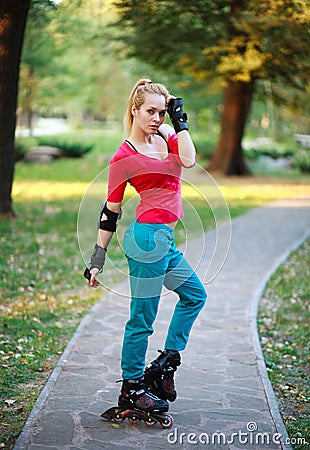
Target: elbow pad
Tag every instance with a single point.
(107, 219)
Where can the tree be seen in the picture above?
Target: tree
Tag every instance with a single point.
(82, 76)
(37, 55)
(87, 69)
(13, 16)
(235, 43)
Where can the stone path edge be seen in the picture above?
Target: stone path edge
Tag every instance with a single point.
(262, 369)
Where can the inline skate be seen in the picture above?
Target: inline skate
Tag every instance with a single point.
(159, 375)
(136, 403)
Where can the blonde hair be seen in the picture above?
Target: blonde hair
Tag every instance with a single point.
(137, 98)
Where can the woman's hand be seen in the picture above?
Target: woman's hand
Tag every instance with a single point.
(170, 97)
(92, 281)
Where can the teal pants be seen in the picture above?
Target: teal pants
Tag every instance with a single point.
(154, 262)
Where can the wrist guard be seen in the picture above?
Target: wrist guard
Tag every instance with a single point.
(97, 259)
(109, 221)
(176, 114)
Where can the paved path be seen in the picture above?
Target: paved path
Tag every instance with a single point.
(222, 382)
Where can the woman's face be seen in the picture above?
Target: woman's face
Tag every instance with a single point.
(151, 114)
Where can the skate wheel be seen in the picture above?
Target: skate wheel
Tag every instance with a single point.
(134, 420)
(167, 422)
(150, 422)
(118, 418)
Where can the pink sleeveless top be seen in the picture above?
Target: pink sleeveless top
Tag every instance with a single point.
(157, 182)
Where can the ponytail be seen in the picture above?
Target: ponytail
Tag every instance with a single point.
(137, 98)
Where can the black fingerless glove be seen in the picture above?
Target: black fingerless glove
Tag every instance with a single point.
(176, 114)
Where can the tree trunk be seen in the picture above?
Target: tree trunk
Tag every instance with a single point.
(228, 158)
(13, 16)
(28, 100)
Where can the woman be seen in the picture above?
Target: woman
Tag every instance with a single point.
(151, 160)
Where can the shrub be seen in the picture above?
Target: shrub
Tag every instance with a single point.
(272, 152)
(22, 145)
(205, 147)
(301, 160)
(70, 149)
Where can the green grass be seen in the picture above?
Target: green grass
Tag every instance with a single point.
(283, 323)
(43, 293)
